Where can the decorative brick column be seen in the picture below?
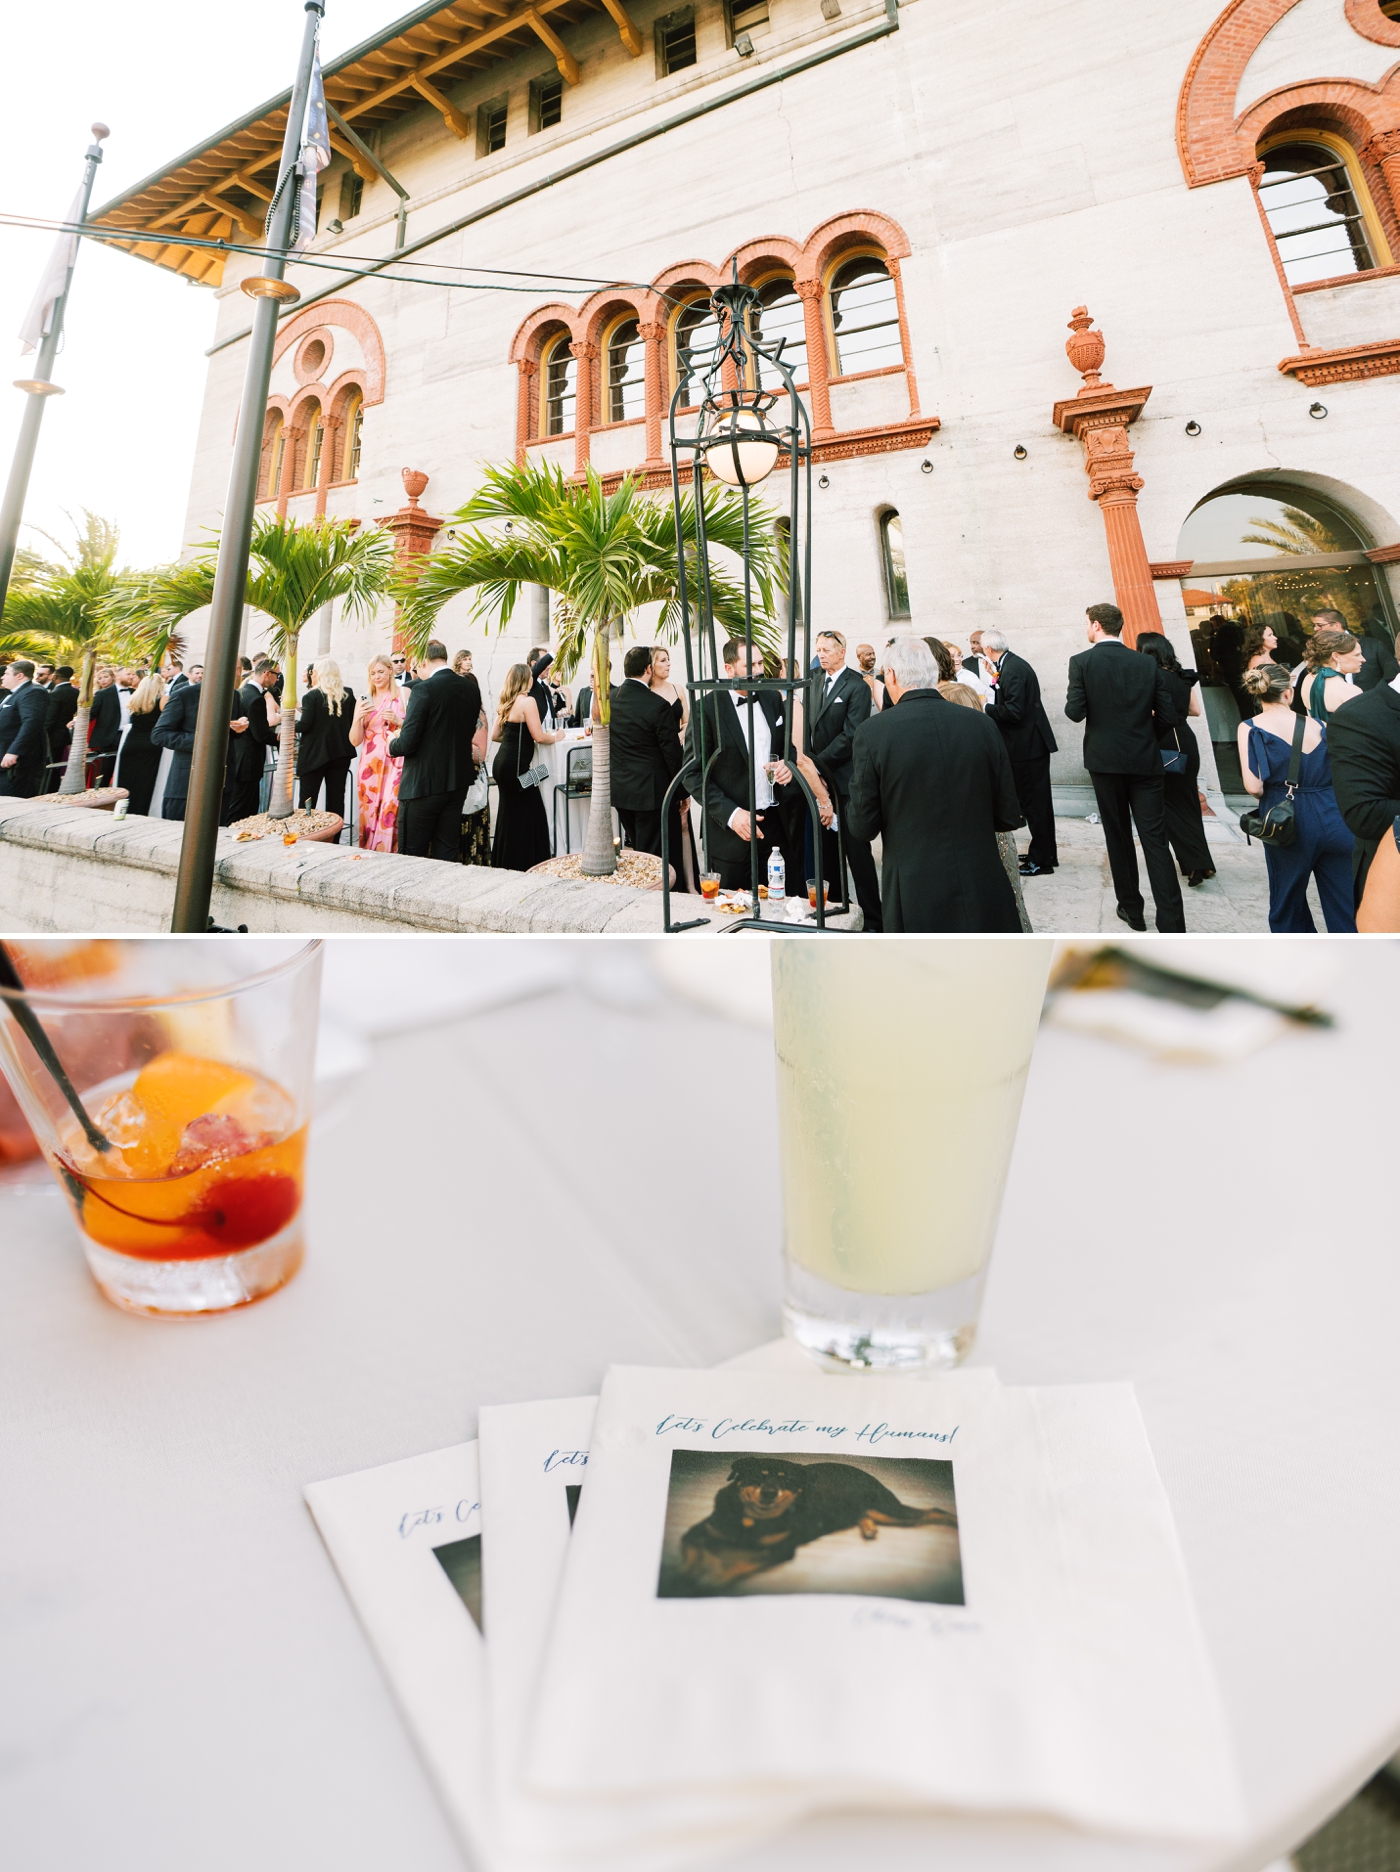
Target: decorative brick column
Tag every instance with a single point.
(525, 404)
(1383, 150)
(414, 529)
(810, 293)
(587, 355)
(291, 442)
(652, 337)
(1099, 417)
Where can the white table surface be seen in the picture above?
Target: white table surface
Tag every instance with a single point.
(502, 1204)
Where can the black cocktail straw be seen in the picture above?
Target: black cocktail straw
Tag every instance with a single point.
(33, 1031)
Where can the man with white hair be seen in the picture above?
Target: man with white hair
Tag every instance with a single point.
(936, 783)
(1018, 711)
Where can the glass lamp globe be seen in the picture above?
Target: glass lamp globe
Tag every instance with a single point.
(739, 456)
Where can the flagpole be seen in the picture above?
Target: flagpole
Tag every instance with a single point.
(194, 881)
(40, 388)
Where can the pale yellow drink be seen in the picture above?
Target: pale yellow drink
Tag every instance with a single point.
(901, 1068)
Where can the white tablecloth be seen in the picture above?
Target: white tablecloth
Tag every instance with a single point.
(184, 1684)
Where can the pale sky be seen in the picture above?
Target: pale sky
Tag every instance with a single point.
(164, 76)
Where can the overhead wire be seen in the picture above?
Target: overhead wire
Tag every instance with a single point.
(357, 266)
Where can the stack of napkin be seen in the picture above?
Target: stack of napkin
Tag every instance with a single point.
(662, 1625)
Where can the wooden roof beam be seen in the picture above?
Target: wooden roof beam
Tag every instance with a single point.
(449, 112)
(563, 58)
(627, 32)
(358, 163)
(502, 29)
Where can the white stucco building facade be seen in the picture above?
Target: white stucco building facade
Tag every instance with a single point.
(1215, 187)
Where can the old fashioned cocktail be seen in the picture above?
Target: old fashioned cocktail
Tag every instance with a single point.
(185, 1169)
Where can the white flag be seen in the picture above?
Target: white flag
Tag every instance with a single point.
(40, 314)
(315, 154)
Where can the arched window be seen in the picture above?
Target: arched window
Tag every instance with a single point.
(1318, 208)
(315, 442)
(697, 334)
(865, 316)
(892, 557)
(560, 387)
(779, 315)
(352, 417)
(274, 437)
(627, 386)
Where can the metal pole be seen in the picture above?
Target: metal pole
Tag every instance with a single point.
(40, 387)
(194, 882)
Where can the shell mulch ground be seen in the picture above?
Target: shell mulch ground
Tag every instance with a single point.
(301, 823)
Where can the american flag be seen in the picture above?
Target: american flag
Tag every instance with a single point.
(315, 154)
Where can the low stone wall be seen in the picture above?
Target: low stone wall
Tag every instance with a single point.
(71, 870)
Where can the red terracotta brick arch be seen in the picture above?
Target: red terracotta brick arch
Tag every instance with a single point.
(352, 318)
(832, 237)
(1366, 18)
(595, 314)
(759, 257)
(545, 322)
(1213, 144)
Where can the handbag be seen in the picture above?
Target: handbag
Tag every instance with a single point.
(1278, 826)
(534, 775)
(1174, 759)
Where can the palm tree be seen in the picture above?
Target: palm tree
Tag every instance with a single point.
(60, 611)
(295, 567)
(603, 556)
(1304, 534)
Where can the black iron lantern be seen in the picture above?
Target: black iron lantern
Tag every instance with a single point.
(736, 416)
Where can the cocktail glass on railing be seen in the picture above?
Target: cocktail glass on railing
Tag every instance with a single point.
(901, 1067)
(171, 1092)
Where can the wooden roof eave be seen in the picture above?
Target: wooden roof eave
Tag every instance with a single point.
(373, 82)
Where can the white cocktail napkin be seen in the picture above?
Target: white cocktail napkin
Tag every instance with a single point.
(1041, 1657)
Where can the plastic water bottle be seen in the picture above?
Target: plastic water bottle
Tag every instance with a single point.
(777, 879)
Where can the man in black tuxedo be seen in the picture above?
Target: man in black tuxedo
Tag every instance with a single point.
(645, 752)
(250, 735)
(731, 829)
(1363, 743)
(58, 718)
(936, 782)
(1378, 665)
(436, 745)
(1018, 711)
(1122, 699)
(840, 703)
(175, 730)
(23, 743)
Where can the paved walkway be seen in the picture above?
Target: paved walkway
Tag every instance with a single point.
(1078, 898)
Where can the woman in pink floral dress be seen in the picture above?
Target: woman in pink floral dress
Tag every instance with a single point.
(377, 719)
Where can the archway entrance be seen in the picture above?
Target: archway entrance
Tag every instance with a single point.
(1269, 553)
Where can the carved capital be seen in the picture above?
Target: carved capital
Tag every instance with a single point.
(652, 333)
(583, 350)
(808, 289)
(1256, 173)
(1379, 147)
(527, 366)
(1108, 462)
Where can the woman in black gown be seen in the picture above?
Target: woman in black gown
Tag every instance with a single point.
(680, 838)
(522, 827)
(138, 760)
(1186, 830)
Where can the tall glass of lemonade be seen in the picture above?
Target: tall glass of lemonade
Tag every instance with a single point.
(901, 1069)
(168, 1083)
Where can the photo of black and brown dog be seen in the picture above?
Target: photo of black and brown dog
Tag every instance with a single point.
(771, 1507)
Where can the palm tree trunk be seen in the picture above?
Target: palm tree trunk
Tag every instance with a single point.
(75, 773)
(599, 856)
(281, 806)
